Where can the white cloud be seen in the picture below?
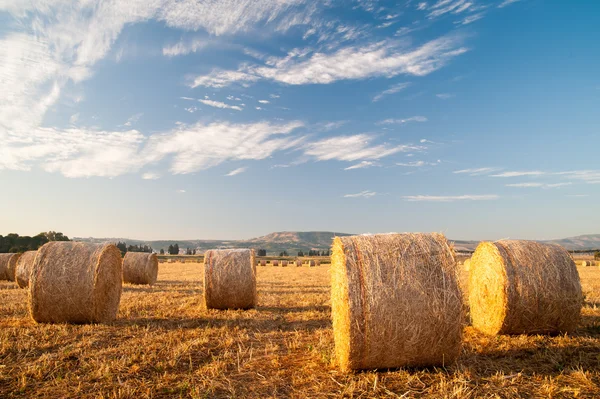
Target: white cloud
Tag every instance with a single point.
(184, 47)
(191, 110)
(448, 6)
(519, 174)
(150, 176)
(393, 89)
(258, 108)
(362, 165)
(476, 171)
(387, 59)
(402, 121)
(237, 171)
(422, 6)
(188, 98)
(471, 18)
(274, 95)
(449, 198)
(444, 96)
(586, 176)
(219, 104)
(541, 185)
(418, 164)
(181, 191)
(74, 118)
(362, 194)
(353, 148)
(506, 3)
(264, 101)
(133, 119)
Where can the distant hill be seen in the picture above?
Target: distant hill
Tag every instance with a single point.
(294, 241)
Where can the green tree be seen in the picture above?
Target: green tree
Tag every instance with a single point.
(162, 251)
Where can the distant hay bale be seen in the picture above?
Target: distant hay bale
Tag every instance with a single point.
(467, 264)
(23, 269)
(317, 262)
(140, 268)
(587, 263)
(284, 263)
(395, 301)
(263, 262)
(298, 263)
(275, 263)
(229, 279)
(75, 282)
(523, 287)
(8, 265)
(311, 263)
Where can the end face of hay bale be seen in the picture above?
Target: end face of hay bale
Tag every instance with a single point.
(299, 263)
(23, 269)
(8, 266)
(263, 262)
(284, 263)
(229, 279)
(467, 264)
(523, 287)
(311, 263)
(140, 268)
(74, 282)
(275, 263)
(395, 301)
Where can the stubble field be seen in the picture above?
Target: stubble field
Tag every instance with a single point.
(166, 344)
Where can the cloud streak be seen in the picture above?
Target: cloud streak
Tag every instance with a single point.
(449, 198)
(362, 194)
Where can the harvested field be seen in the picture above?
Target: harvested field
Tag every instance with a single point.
(164, 343)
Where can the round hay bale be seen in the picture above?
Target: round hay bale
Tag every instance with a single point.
(284, 263)
(23, 269)
(75, 282)
(395, 301)
(467, 264)
(298, 263)
(140, 268)
(523, 287)
(263, 262)
(311, 263)
(229, 279)
(317, 262)
(8, 266)
(587, 263)
(275, 263)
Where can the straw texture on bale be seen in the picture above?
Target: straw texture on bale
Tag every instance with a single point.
(395, 301)
(467, 264)
(23, 269)
(523, 287)
(229, 279)
(8, 266)
(74, 282)
(140, 268)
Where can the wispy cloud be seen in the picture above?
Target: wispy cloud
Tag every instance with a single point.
(402, 121)
(219, 104)
(150, 176)
(181, 191)
(449, 198)
(353, 148)
(237, 171)
(476, 171)
(445, 96)
(471, 18)
(264, 101)
(519, 173)
(392, 90)
(362, 165)
(362, 194)
(184, 47)
(418, 164)
(133, 119)
(506, 3)
(448, 6)
(541, 185)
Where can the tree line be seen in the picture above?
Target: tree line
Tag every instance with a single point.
(124, 248)
(14, 243)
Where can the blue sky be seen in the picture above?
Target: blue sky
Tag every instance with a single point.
(189, 119)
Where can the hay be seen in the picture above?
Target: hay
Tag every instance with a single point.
(140, 268)
(75, 282)
(298, 263)
(23, 269)
(275, 263)
(229, 279)
(311, 263)
(8, 265)
(587, 263)
(263, 262)
(523, 287)
(395, 301)
(284, 263)
(467, 264)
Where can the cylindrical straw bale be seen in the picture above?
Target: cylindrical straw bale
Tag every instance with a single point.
(298, 263)
(140, 268)
(263, 262)
(395, 301)
(23, 269)
(586, 263)
(275, 263)
(467, 264)
(523, 287)
(229, 279)
(75, 282)
(311, 263)
(284, 263)
(8, 266)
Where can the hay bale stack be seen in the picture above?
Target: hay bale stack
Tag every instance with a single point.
(284, 263)
(523, 287)
(23, 268)
(298, 263)
(395, 301)
(229, 279)
(263, 262)
(467, 264)
(75, 282)
(587, 263)
(275, 263)
(8, 265)
(311, 263)
(140, 268)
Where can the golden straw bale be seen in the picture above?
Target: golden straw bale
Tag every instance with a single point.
(284, 263)
(523, 287)
(395, 301)
(263, 262)
(229, 279)
(140, 268)
(311, 263)
(275, 263)
(75, 282)
(298, 263)
(8, 265)
(467, 264)
(23, 269)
